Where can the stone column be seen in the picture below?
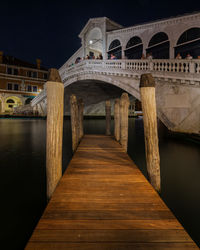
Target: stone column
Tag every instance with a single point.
(117, 120)
(55, 99)
(123, 52)
(147, 92)
(124, 108)
(108, 117)
(74, 122)
(80, 118)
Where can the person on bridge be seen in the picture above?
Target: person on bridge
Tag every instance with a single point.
(112, 57)
(149, 56)
(189, 57)
(178, 56)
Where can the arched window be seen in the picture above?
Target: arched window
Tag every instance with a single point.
(189, 42)
(134, 48)
(159, 46)
(115, 48)
(10, 101)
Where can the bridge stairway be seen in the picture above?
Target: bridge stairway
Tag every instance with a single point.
(104, 202)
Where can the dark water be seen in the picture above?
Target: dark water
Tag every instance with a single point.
(22, 174)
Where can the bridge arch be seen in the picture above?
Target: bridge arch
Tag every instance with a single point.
(132, 88)
(115, 48)
(189, 42)
(94, 42)
(134, 48)
(12, 102)
(159, 46)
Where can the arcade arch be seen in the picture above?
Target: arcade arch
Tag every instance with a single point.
(134, 48)
(159, 46)
(12, 102)
(189, 42)
(94, 43)
(115, 48)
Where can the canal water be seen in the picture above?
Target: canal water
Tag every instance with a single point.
(22, 173)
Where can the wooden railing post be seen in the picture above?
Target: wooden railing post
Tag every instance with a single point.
(74, 122)
(117, 120)
(80, 118)
(108, 117)
(124, 108)
(55, 103)
(147, 92)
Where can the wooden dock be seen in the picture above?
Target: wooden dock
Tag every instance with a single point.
(104, 202)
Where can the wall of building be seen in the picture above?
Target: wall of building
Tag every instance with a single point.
(19, 85)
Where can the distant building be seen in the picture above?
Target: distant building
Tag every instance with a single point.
(20, 82)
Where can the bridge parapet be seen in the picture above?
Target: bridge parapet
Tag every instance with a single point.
(174, 71)
(181, 69)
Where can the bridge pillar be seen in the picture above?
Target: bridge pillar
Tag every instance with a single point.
(117, 120)
(147, 93)
(108, 117)
(55, 103)
(124, 108)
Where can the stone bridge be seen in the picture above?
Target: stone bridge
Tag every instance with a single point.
(177, 86)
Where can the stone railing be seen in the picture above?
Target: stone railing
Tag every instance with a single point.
(183, 70)
(166, 65)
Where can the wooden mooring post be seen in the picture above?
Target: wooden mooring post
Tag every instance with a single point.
(74, 122)
(117, 120)
(108, 117)
(55, 103)
(147, 92)
(80, 118)
(124, 107)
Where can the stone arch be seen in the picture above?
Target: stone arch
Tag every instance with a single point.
(159, 46)
(11, 102)
(94, 42)
(115, 48)
(131, 87)
(134, 48)
(189, 42)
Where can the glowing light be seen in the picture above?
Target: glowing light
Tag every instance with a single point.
(91, 42)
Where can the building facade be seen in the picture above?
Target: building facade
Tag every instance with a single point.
(20, 82)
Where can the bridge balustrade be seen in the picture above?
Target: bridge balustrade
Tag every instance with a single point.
(187, 69)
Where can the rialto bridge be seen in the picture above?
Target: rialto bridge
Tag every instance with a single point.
(177, 80)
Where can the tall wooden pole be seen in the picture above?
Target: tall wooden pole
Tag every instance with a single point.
(147, 92)
(55, 99)
(124, 108)
(74, 122)
(80, 118)
(108, 117)
(117, 120)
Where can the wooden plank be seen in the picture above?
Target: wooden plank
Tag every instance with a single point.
(110, 246)
(104, 202)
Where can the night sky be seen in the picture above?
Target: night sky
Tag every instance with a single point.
(49, 29)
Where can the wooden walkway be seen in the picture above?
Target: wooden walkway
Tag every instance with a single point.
(104, 202)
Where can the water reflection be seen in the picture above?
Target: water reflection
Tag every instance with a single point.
(22, 171)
